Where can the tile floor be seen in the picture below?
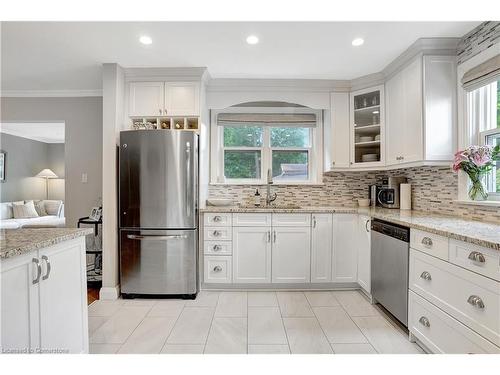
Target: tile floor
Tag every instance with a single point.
(326, 322)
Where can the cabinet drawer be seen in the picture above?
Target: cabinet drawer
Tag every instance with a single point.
(457, 291)
(291, 220)
(218, 248)
(217, 219)
(440, 333)
(429, 243)
(217, 233)
(218, 269)
(475, 258)
(257, 219)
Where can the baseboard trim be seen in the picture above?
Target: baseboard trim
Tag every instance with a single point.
(109, 293)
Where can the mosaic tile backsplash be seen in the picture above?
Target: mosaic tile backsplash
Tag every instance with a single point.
(434, 189)
(477, 40)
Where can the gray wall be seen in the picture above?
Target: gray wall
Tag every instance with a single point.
(83, 144)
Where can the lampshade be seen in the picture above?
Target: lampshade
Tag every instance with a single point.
(46, 173)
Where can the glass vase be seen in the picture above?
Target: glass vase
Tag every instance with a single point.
(477, 191)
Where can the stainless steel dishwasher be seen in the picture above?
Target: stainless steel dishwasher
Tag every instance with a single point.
(389, 266)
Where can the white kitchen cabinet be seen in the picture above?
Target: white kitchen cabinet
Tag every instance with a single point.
(340, 132)
(421, 111)
(44, 299)
(344, 259)
(321, 248)
(364, 253)
(182, 98)
(146, 99)
(251, 255)
(291, 255)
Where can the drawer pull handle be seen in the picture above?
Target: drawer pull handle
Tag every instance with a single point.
(268, 236)
(216, 233)
(426, 276)
(217, 268)
(217, 248)
(217, 219)
(476, 302)
(427, 241)
(424, 321)
(476, 256)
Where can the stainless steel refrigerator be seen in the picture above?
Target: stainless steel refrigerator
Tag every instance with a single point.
(158, 199)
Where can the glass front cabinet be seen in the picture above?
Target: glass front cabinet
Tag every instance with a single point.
(367, 127)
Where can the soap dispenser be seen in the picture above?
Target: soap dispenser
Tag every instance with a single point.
(257, 198)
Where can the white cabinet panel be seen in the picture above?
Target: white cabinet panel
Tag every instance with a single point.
(182, 98)
(291, 255)
(394, 96)
(344, 261)
(217, 247)
(19, 304)
(291, 220)
(259, 219)
(217, 219)
(218, 269)
(364, 253)
(251, 255)
(64, 324)
(321, 248)
(340, 130)
(430, 243)
(217, 233)
(146, 99)
(475, 258)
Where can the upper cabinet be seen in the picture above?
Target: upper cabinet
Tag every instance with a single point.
(367, 127)
(421, 112)
(149, 99)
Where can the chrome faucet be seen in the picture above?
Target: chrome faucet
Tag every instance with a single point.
(270, 198)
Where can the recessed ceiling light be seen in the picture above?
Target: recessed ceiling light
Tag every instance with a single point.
(252, 39)
(358, 42)
(375, 112)
(145, 39)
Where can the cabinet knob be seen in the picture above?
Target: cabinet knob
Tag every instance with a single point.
(424, 321)
(476, 256)
(426, 241)
(161, 112)
(217, 268)
(217, 218)
(217, 248)
(426, 276)
(476, 301)
(216, 233)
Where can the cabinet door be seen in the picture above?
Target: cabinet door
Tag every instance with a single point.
(321, 248)
(19, 304)
(340, 130)
(394, 92)
(182, 98)
(344, 268)
(146, 99)
(251, 255)
(63, 297)
(364, 253)
(291, 255)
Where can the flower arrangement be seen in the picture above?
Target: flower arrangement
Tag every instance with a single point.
(477, 161)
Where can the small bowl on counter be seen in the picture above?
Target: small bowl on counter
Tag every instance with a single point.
(363, 202)
(220, 202)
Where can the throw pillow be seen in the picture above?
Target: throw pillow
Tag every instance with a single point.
(53, 207)
(40, 208)
(24, 210)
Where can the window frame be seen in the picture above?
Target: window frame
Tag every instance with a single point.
(315, 149)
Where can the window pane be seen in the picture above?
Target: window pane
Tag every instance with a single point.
(242, 136)
(498, 104)
(290, 165)
(493, 180)
(242, 164)
(290, 137)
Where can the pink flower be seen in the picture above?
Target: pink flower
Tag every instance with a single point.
(480, 159)
(460, 156)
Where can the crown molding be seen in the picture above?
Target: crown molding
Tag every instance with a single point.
(258, 84)
(49, 93)
(167, 74)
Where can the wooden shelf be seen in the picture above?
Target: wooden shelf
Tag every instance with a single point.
(367, 144)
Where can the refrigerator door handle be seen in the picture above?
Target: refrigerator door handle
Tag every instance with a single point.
(156, 238)
(188, 179)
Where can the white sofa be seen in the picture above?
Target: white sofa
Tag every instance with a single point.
(54, 219)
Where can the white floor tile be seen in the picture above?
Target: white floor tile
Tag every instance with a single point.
(149, 337)
(262, 299)
(294, 304)
(232, 305)
(268, 349)
(168, 307)
(227, 336)
(355, 304)
(353, 349)
(305, 336)
(192, 326)
(182, 349)
(104, 348)
(119, 327)
(204, 299)
(265, 326)
(104, 307)
(338, 326)
(384, 337)
(95, 322)
(319, 299)
(139, 302)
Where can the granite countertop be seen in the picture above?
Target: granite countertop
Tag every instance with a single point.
(16, 242)
(475, 232)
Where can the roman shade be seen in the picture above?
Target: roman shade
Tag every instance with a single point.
(482, 74)
(303, 120)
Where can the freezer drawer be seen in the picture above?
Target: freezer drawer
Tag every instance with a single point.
(158, 262)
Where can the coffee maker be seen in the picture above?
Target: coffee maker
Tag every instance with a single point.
(387, 194)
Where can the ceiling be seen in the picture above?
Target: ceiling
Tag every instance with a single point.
(42, 132)
(68, 55)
